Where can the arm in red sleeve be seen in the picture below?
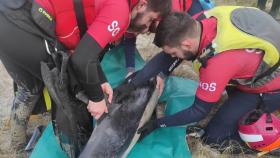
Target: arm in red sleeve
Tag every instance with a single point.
(219, 71)
(111, 21)
(129, 50)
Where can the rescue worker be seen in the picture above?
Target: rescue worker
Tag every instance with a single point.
(25, 27)
(192, 7)
(230, 45)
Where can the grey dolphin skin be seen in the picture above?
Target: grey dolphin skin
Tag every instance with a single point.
(116, 132)
(72, 122)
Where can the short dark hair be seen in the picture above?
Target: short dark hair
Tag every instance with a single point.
(173, 28)
(161, 6)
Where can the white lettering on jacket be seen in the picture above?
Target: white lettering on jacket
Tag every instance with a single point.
(208, 86)
(114, 28)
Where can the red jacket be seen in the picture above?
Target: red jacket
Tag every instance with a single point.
(106, 20)
(178, 5)
(223, 67)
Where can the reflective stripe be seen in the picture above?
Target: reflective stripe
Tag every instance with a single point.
(47, 99)
(250, 137)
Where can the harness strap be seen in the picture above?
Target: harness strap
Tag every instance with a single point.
(262, 107)
(208, 53)
(269, 71)
(80, 16)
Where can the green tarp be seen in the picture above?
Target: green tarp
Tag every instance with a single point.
(169, 142)
(163, 143)
(47, 146)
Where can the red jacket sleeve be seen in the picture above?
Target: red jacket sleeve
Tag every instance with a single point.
(110, 23)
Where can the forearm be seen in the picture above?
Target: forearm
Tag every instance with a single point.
(129, 49)
(101, 75)
(172, 63)
(195, 113)
(86, 65)
(162, 62)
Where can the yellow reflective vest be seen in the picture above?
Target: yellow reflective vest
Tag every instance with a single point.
(246, 27)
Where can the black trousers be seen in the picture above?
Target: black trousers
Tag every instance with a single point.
(21, 53)
(224, 125)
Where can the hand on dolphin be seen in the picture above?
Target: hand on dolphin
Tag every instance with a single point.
(106, 88)
(129, 73)
(97, 109)
(147, 128)
(124, 90)
(160, 85)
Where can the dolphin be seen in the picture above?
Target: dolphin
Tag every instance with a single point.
(71, 120)
(116, 132)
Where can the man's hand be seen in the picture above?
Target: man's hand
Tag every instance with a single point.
(147, 128)
(160, 85)
(106, 88)
(124, 90)
(128, 86)
(97, 109)
(129, 73)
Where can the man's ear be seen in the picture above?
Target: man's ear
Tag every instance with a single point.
(187, 43)
(142, 4)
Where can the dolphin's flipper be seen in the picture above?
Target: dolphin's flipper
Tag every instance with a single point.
(71, 120)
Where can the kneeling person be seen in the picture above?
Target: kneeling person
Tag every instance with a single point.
(231, 45)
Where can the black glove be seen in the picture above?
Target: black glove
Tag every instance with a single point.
(195, 131)
(131, 77)
(123, 91)
(125, 88)
(147, 128)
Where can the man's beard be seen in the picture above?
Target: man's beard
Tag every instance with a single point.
(188, 55)
(134, 27)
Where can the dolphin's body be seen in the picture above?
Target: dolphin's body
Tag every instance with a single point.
(116, 133)
(71, 120)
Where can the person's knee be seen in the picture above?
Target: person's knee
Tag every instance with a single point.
(24, 103)
(271, 101)
(219, 130)
(30, 89)
(207, 139)
(219, 138)
(25, 95)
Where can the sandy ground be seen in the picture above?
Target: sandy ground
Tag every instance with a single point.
(147, 50)
(5, 102)
(6, 99)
